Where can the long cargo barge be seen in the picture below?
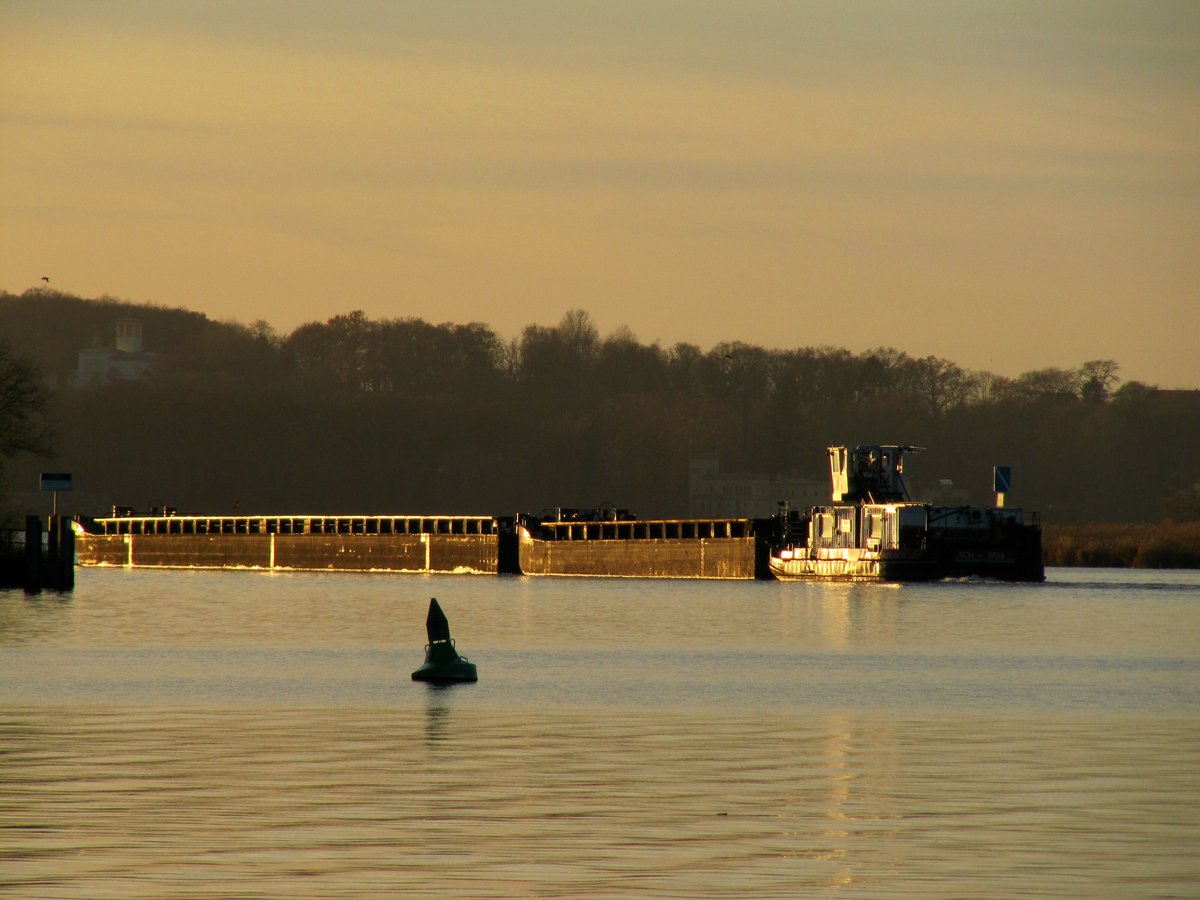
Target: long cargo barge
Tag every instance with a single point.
(633, 548)
(579, 544)
(872, 531)
(415, 544)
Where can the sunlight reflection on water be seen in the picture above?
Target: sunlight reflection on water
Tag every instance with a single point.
(233, 735)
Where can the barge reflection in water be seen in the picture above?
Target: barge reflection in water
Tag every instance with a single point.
(219, 735)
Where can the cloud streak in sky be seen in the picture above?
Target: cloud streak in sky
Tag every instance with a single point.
(700, 171)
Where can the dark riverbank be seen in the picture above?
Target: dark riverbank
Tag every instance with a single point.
(1138, 545)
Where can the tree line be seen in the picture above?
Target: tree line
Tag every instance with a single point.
(356, 414)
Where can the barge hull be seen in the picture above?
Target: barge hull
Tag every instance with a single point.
(854, 567)
(417, 553)
(717, 558)
(1016, 556)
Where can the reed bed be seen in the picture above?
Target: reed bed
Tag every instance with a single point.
(1137, 545)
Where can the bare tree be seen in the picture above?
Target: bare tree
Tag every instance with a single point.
(1097, 378)
(1040, 384)
(940, 384)
(24, 423)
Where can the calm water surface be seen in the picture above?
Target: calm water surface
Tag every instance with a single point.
(236, 734)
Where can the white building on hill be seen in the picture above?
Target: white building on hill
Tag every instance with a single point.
(125, 360)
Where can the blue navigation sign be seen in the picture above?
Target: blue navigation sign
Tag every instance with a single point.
(1002, 479)
(56, 481)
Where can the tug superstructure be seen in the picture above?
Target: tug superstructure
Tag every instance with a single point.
(873, 530)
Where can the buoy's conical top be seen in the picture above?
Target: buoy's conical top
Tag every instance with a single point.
(436, 625)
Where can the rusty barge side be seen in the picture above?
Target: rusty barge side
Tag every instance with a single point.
(631, 548)
(418, 544)
(653, 548)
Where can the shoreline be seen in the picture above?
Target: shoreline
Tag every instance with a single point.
(1129, 545)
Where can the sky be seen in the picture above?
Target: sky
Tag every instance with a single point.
(1008, 185)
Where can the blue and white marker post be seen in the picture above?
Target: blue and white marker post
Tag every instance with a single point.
(1001, 483)
(56, 481)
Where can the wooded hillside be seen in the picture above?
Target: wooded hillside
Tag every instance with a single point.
(402, 415)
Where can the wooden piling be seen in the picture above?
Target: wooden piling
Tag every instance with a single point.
(33, 554)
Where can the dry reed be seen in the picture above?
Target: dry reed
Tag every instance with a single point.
(1138, 545)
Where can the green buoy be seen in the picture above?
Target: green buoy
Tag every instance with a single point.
(442, 662)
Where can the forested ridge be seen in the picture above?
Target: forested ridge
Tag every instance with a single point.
(360, 415)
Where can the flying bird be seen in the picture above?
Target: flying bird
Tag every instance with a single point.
(46, 278)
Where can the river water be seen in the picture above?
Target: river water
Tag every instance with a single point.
(238, 734)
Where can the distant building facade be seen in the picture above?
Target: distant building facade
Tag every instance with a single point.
(125, 360)
(746, 495)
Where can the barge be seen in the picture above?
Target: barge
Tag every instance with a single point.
(602, 543)
(611, 543)
(416, 544)
(873, 531)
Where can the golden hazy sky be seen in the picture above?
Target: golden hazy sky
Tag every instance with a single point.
(1009, 185)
